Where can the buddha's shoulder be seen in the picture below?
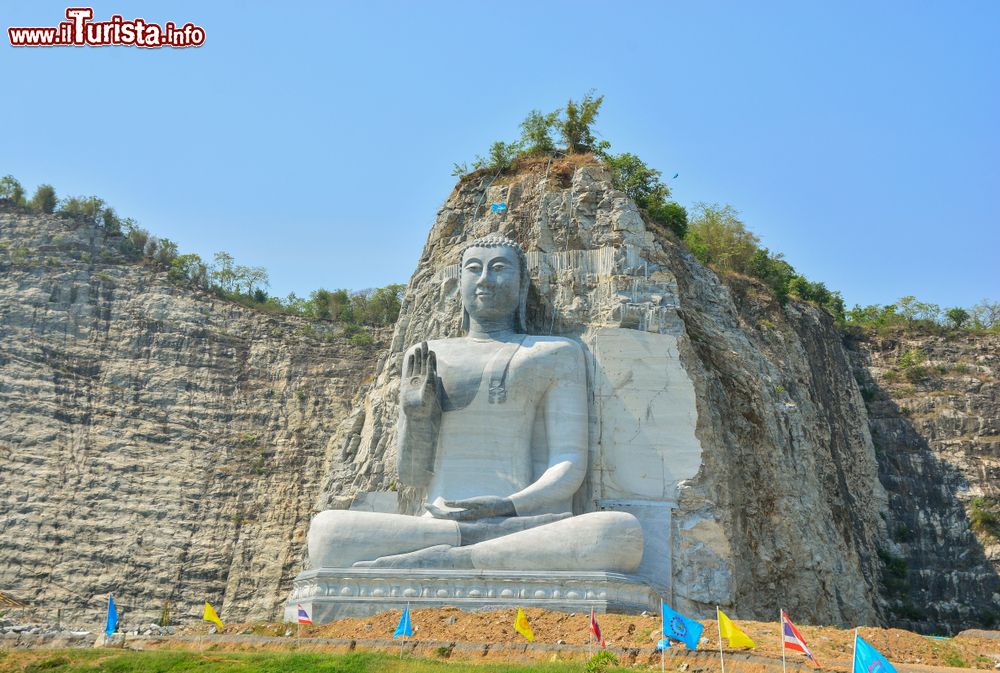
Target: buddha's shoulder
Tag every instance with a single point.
(552, 343)
(554, 348)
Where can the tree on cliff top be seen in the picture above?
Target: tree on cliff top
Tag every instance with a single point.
(11, 190)
(575, 125)
(536, 133)
(718, 237)
(44, 200)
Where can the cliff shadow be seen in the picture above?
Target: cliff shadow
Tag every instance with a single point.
(936, 574)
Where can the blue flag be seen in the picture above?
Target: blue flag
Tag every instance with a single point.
(679, 627)
(112, 623)
(404, 628)
(869, 660)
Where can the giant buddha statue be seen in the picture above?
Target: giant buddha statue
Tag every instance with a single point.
(493, 427)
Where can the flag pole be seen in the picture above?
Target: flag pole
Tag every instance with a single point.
(718, 623)
(854, 655)
(663, 634)
(781, 635)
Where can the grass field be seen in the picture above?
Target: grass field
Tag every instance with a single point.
(174, 661)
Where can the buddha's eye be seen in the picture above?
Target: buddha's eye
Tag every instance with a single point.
(472, 267)
(498, 267)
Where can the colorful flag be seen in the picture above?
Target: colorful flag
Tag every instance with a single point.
(522, 626)
(499, 207)
(596, 629)
(111, 624)
(210, 616)
(869, 660)
(404, 628)
(303, 615)
(730, 631)
(793, 640)
(679, 627)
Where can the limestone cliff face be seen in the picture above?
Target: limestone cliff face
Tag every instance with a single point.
(774, 480)
(155, 441)
(167, 446)
(934, 410)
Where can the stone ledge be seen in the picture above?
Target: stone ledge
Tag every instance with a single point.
(332, 593)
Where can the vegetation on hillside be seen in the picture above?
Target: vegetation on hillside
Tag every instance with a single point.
(910, 313)
(714, 233)
(574, 126)
(719, 239)
(246, 285)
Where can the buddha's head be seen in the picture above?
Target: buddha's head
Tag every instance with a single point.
(494, 281)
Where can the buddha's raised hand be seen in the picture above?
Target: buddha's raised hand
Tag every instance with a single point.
(418, 391)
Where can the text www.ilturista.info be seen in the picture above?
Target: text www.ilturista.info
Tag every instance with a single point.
(80, 31)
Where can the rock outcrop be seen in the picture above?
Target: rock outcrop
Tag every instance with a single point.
(783, 504)
(934, 411)
(155, 442)
(165, 445)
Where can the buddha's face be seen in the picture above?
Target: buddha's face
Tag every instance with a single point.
(491, 282)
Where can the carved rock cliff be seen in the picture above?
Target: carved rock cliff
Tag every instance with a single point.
(783, 505)
(163, 444)
(155, 441)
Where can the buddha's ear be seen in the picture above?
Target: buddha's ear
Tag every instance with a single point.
(465, 321)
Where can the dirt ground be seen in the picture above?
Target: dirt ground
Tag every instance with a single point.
(831, 646)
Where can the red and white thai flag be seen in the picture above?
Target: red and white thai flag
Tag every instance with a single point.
(793, 640)
(595, 629)
(303, 615)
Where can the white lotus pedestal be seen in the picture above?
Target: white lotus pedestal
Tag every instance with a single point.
(331, 593)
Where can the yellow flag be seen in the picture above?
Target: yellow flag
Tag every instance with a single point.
(210, 615)
(729, 630)
(521, 625)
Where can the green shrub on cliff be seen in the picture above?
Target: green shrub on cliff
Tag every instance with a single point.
(670, 214)
(984, 517)
(44, 199)
(642, 184)
(536, 133)
(11, 190)
(957, 316)
(719, 238)
(573, 123)
(576, 122)
(92, 210)
(574, 126)
(501, 157)
(189, 269)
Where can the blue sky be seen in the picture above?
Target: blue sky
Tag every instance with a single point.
(861, 139)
